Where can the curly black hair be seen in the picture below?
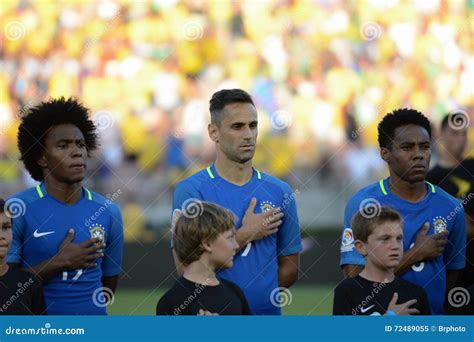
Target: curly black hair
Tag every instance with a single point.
(39, 119)
(397, 118)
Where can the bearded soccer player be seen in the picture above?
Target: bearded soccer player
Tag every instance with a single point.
(434, 231)
(69, 236)
(268, 231)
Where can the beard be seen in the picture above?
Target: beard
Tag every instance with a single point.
(243, 158)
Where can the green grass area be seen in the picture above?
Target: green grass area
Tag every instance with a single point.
(305, 300)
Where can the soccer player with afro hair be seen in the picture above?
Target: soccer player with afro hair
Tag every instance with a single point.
(69, 236)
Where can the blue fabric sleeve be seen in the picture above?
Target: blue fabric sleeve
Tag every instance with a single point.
(112, 262)
(349, 255)
(15, 253)
(289, 233)
(184, 191)
(455, 253)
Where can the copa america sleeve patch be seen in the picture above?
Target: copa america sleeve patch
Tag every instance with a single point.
(347, 243)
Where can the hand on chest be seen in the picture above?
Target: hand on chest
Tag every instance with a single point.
(45, 233)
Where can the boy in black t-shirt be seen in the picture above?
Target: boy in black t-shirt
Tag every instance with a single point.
(204, 241)
(376, 290)
(20, 291)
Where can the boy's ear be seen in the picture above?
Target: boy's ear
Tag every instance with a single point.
(206, 245)
(360, 246)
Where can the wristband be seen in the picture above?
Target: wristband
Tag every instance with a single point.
(391, 313)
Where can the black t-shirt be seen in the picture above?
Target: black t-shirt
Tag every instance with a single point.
(458, 182)
(359, 296)
(21, 293)
(463, 300)
(187, 297)
(468, 309)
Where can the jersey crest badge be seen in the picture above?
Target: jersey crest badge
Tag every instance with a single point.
(266, 206)
(98, 231)
(440, 224)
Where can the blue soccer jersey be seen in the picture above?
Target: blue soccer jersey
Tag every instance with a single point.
(440, 209)
(39, 232)
(255, 267)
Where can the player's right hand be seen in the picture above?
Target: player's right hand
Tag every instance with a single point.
(261, 225)
(430, 247)
(404, 308)
(79, 255)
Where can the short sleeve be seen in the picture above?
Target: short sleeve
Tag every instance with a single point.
(243, 300)
(289, 233)
(425, 308)
(342, 301)
(38, 306)
(349, 255)
(173, 303)
(16, 250)
(164, 307)
(184, 191)
(112, 262)
(455, 252)
(469, 308)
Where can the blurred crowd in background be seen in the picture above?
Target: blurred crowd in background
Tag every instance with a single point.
(322, 74)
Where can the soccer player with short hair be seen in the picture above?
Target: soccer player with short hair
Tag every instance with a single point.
(205, 242)
(268, 230)
(376, 290)
(20, 291)
(434, 231)
(69, 236)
